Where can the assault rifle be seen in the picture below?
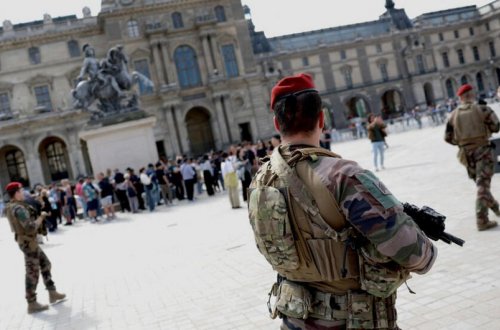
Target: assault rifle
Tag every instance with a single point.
(431, 223)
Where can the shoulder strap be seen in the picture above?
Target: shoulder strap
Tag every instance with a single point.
(299, 191)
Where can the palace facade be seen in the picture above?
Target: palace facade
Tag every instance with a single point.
(213, 73)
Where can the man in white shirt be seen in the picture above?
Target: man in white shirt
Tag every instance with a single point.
(148, 188)
(230, 178)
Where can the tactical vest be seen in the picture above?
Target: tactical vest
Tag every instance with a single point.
(15, 225)
(468, 125)
(298, 226)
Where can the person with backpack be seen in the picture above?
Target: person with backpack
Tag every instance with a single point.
(338, 239)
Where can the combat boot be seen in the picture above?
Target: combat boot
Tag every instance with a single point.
(487, 225)
(55, 296)
(35, 307)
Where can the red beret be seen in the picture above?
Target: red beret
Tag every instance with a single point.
(13, 186)
(464, 89)
(291, 85)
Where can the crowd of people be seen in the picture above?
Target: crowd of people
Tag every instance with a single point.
(94, 198)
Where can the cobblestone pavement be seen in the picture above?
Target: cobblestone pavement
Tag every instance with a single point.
(195, 265)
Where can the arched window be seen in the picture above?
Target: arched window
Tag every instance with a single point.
(73, 48)
(16, 166)
(133, 29)
(34, 54)
(187, 67)
(464, 80)
(177, 20)
(56, 160)
(220, 14)
(450, 90)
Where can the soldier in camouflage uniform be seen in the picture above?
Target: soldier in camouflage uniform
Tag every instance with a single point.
(469, 127)
(25, 222)
(337, 237)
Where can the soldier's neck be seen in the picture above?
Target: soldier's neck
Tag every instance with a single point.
(312, 140)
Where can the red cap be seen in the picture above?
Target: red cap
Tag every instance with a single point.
(291, 85)
(464, 89)
(13, 186)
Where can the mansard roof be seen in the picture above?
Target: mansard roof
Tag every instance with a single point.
(329, 36)
(448, 16)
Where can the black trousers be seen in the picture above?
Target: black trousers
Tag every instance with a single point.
(190, 188)
(122, 199)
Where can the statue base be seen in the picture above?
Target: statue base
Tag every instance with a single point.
(125, 140)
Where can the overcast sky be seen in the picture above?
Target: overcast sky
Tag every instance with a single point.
(274, 17)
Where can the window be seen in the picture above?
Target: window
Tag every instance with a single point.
(383, 72)
(348, 78)
(457, 34)
(464, 80)
(73, 48)
(4, 104)
(43, 97)
(493, 51)
(220, 14)
(446, 60)
(177, 20)
(142, 67)
(449, 89)
(460, 54)
(343, 55)
(56, 160)
(420, 64)
(487, 26)
(34, 54)
(475, 52)
(187, 67)
(305, 61)
(480, 82)
(379, 48)
(441, 36)
(16, 166)
(471, 31)
(133, 29)
(230, 62)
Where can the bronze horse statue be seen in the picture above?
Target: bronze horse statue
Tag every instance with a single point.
(108, 83)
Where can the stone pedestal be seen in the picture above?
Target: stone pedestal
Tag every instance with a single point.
(127, 144)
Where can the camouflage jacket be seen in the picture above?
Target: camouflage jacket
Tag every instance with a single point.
(375, 213)
(488, 117)
(22, 218)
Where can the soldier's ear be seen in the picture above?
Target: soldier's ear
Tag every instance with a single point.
(321, 120)
(276, 124)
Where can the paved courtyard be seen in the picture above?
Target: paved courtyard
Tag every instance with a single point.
(195, 266)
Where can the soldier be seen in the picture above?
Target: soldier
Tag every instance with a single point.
(469, 127)
(337, 237)
(24, 223)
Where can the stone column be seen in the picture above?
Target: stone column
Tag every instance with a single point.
(158, 64)
(212, 47)
(76, 155)
(173, 136)
(168, 64)
(33, 161)
(208, 55)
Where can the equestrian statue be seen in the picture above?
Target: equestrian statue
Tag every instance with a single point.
(107, 81)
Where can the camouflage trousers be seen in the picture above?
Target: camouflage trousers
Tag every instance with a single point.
(311, 324)
(480, 168)
(35, 261)
(314, 324)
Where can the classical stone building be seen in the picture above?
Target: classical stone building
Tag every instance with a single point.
(213, 72)
(393, 63)
(209, 92)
